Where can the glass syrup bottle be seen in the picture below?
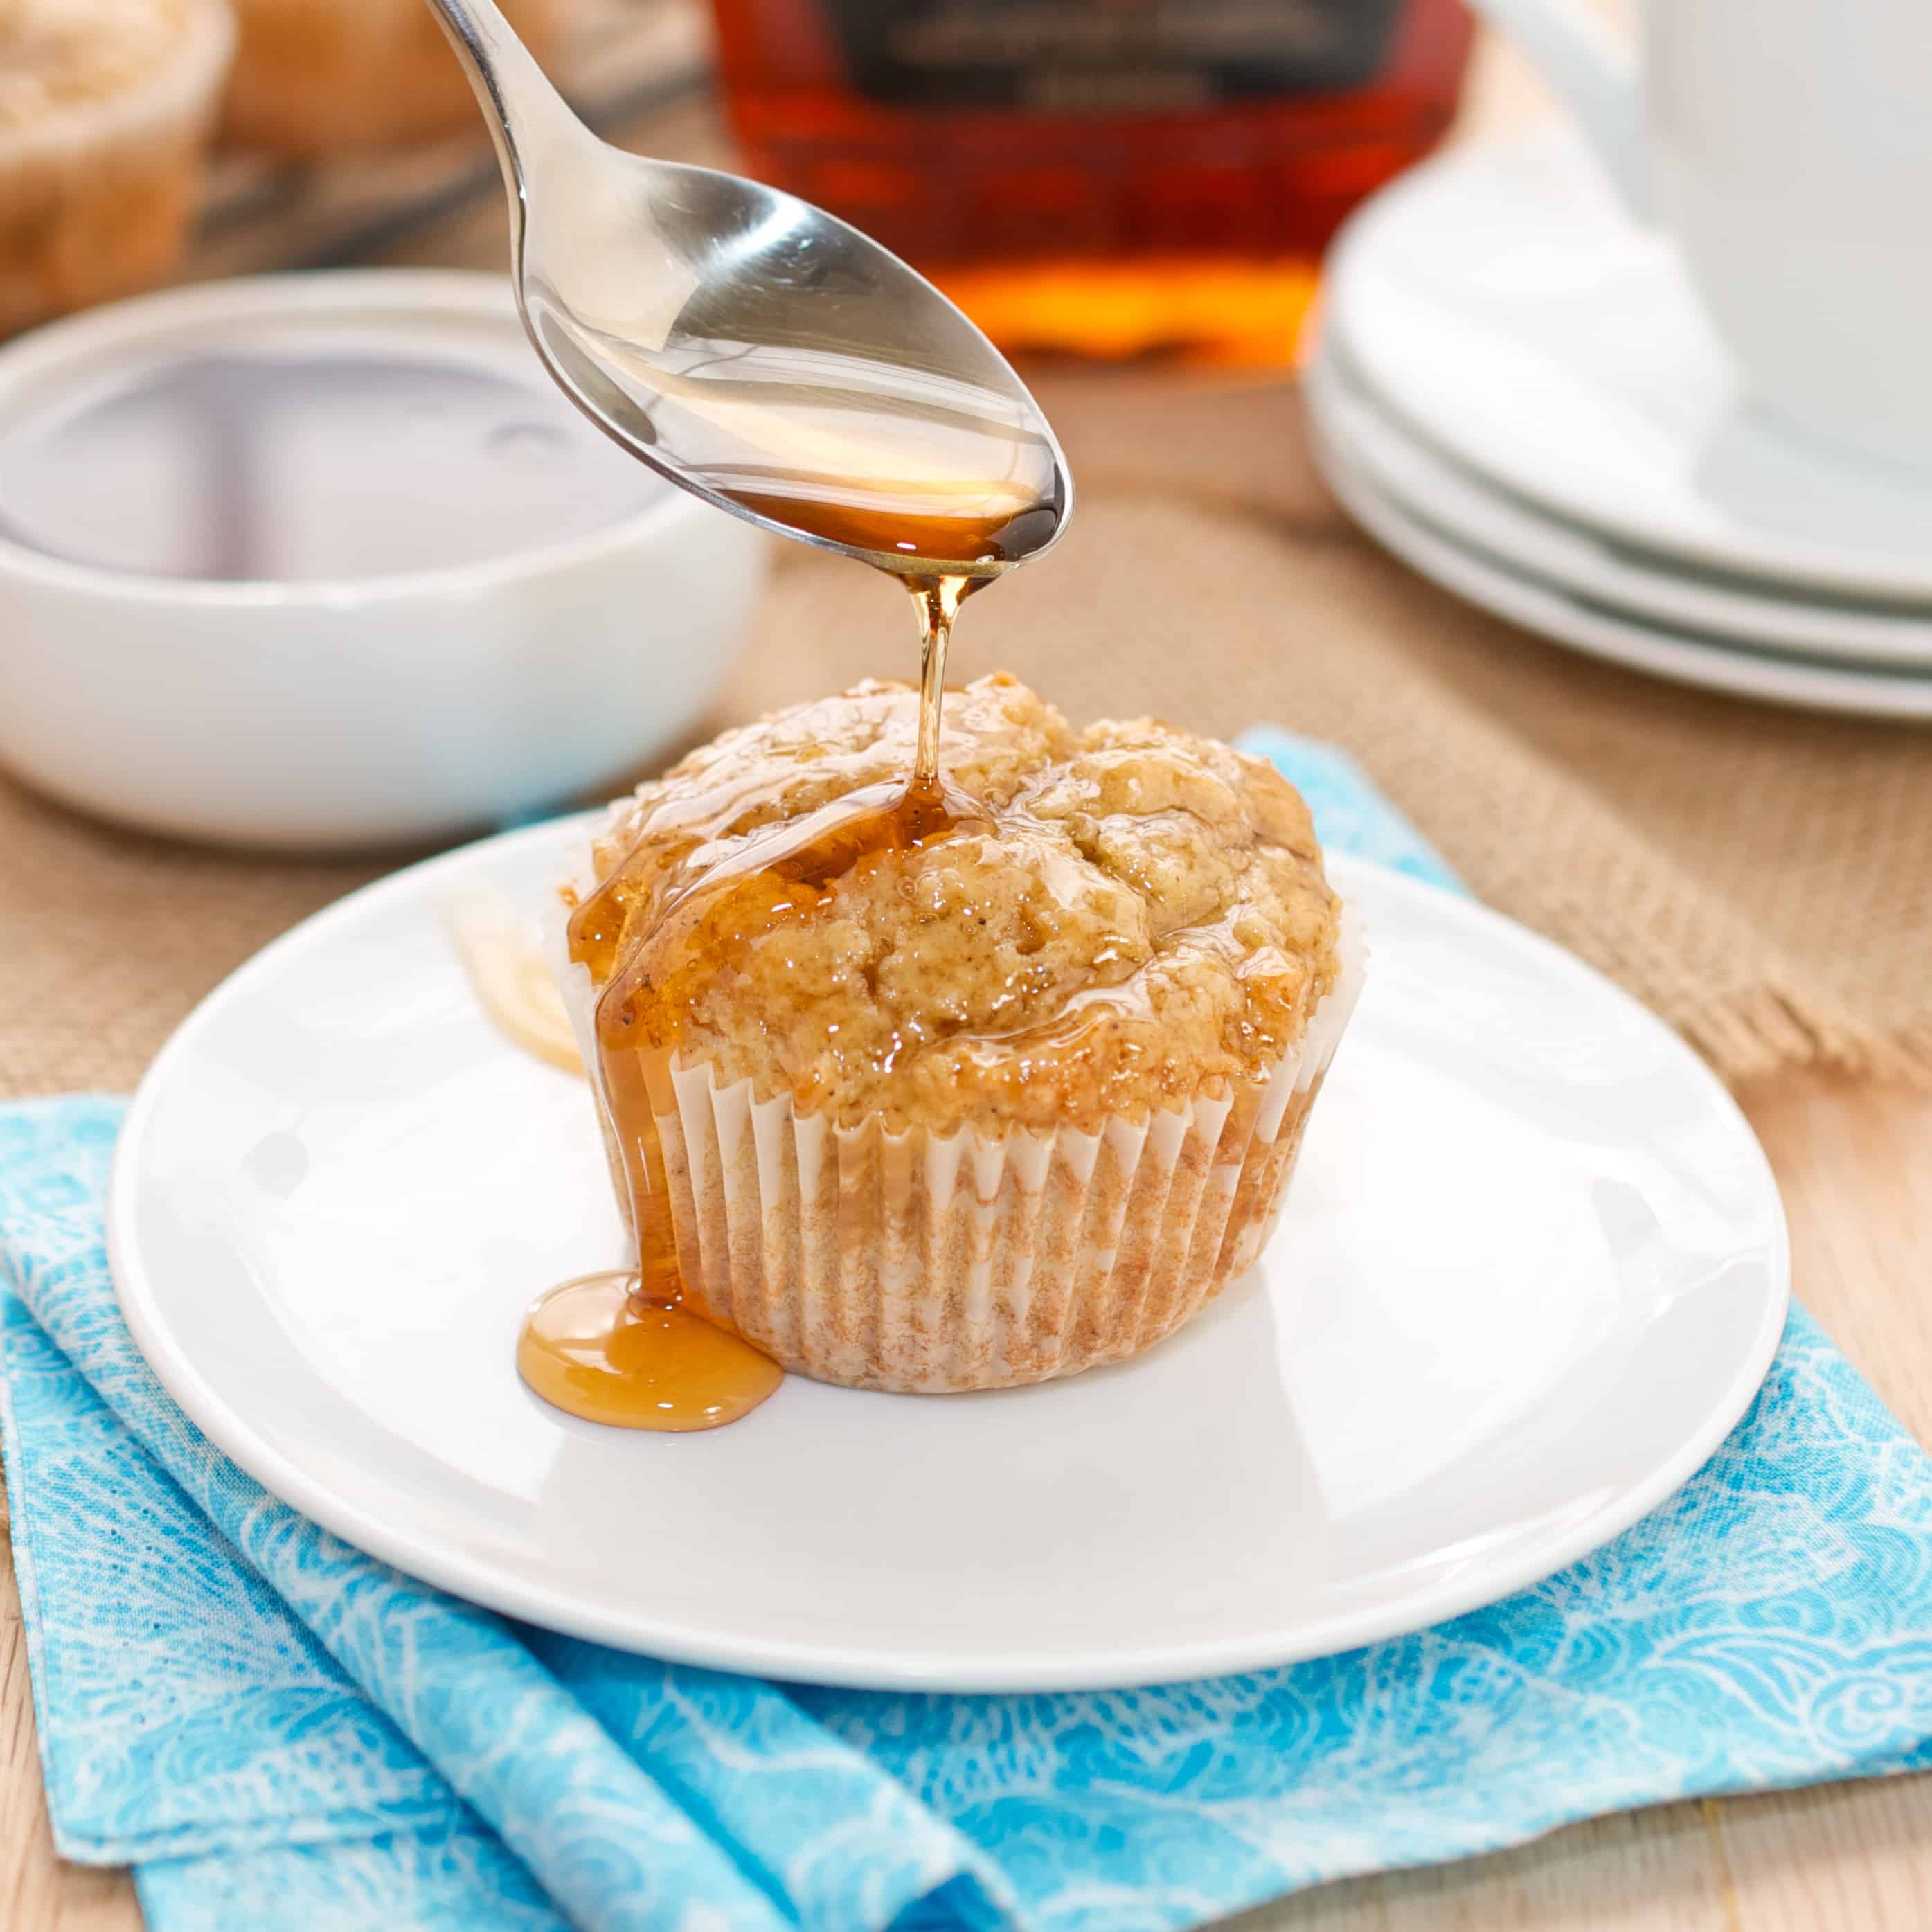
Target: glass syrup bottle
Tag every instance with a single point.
(1106, 178)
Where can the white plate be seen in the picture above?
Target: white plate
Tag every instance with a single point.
(1500, 303)
(1534, 1268)
(1583, 565)
(1684, 659)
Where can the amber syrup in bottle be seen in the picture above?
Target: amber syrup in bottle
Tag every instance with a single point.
(1106, 178)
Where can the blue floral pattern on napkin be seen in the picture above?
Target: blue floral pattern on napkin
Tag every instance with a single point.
(275, 1730)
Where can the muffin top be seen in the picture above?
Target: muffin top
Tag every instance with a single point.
(1124, 918)
(63, 59)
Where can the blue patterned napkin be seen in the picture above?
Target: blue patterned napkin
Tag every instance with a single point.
(275, 1730)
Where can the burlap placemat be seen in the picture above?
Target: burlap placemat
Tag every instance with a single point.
(1759, 877)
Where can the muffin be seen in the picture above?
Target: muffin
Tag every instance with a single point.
(105, 108)
(315, 77)
(990, 1108)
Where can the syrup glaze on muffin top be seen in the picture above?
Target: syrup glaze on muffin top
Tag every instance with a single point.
(1092, 923)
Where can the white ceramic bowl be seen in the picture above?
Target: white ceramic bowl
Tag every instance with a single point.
(330, 715)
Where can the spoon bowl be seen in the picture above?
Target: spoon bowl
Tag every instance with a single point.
(758, 351)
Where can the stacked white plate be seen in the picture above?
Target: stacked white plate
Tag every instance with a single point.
(1517, 394)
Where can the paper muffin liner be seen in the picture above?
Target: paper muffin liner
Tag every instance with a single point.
(929, 1263)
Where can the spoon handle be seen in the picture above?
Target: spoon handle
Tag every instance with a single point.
(522, 107)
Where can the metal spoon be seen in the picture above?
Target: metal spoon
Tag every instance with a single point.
(758, 351)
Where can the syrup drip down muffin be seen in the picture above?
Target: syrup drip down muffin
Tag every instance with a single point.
(976, 1093)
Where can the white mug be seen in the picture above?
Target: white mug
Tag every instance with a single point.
(1786, 147)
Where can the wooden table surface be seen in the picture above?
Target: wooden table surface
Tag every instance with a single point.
(1856, 1165)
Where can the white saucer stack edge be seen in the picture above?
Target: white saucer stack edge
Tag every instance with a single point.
(1517, 394)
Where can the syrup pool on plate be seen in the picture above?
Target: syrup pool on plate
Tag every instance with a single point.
(595, 1349)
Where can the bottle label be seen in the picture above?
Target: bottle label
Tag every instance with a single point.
(1107, 56)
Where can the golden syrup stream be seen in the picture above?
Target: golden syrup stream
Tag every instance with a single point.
(641, 1350)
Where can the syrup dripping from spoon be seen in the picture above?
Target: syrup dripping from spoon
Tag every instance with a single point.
(626, 1349)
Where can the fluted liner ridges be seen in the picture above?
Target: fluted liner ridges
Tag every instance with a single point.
(924, 1262)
